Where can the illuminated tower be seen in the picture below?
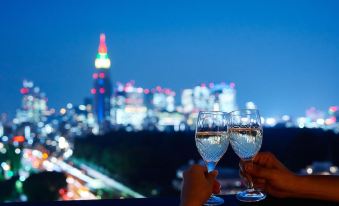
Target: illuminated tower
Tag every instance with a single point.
(102, 84)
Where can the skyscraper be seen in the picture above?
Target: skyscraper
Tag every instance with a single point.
(128, 108)
(102, 84)
(34, 104)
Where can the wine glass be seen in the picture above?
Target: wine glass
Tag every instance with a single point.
(212, 141)
(245, 133)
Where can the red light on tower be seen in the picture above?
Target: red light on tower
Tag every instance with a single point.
(24, 90)
(102, 47)
(93, 91)
(102, 90)
(95, 76)
(102, 75)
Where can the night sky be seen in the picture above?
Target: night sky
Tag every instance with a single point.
(283, 55)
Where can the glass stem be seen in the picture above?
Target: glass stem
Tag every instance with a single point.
(249, 178)
(210, 166)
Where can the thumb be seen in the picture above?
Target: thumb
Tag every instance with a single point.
(258, 171)
(211, 176)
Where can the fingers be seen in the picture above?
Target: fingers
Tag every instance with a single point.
(242, 174)
(259, 183)
(258, 171)
(267, 159)
(214, 173)
(211, 176)
(241, 165)
(198, 168)
(195, 169)
(262, 185)
(277, 193)
(199, 173)
(212, 182)
(216, 187)
(243, 177)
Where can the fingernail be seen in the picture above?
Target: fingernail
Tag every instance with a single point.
(241, 166)
(215, 173)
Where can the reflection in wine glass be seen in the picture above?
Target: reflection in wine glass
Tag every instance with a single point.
(245, 133)
(212, 141)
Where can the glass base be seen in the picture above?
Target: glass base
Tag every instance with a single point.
(214, 200)
(250, 195)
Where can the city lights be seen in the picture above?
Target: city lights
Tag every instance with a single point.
(44, 138)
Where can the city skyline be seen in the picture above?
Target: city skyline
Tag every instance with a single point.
(286, 58)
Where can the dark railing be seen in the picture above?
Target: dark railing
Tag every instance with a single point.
(230, 200)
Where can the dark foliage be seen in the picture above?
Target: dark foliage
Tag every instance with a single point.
(148, 161)
(7, 188)
(44, 186)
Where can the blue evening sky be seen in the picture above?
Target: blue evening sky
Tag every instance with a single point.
(283, 55)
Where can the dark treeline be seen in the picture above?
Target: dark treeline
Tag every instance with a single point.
(148, 161)
(43, 186)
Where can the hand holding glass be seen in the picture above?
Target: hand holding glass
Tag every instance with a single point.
(246, 133)
(212, 141)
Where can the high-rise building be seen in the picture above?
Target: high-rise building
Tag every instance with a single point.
(201, 98)
(34, 104)
(224, 97)
(187, 101)
(216, 97)
(163, 99)
(102, 84)
(333, 112)
(128, 107)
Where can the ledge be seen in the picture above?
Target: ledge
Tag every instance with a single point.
(230, 200)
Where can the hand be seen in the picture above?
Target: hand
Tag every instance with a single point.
(198, 185)
(270, 175)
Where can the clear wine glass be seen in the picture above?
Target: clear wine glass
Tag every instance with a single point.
(212, 141)
(245, 133)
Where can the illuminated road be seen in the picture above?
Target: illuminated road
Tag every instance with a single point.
(111, 183)
(80, 180)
